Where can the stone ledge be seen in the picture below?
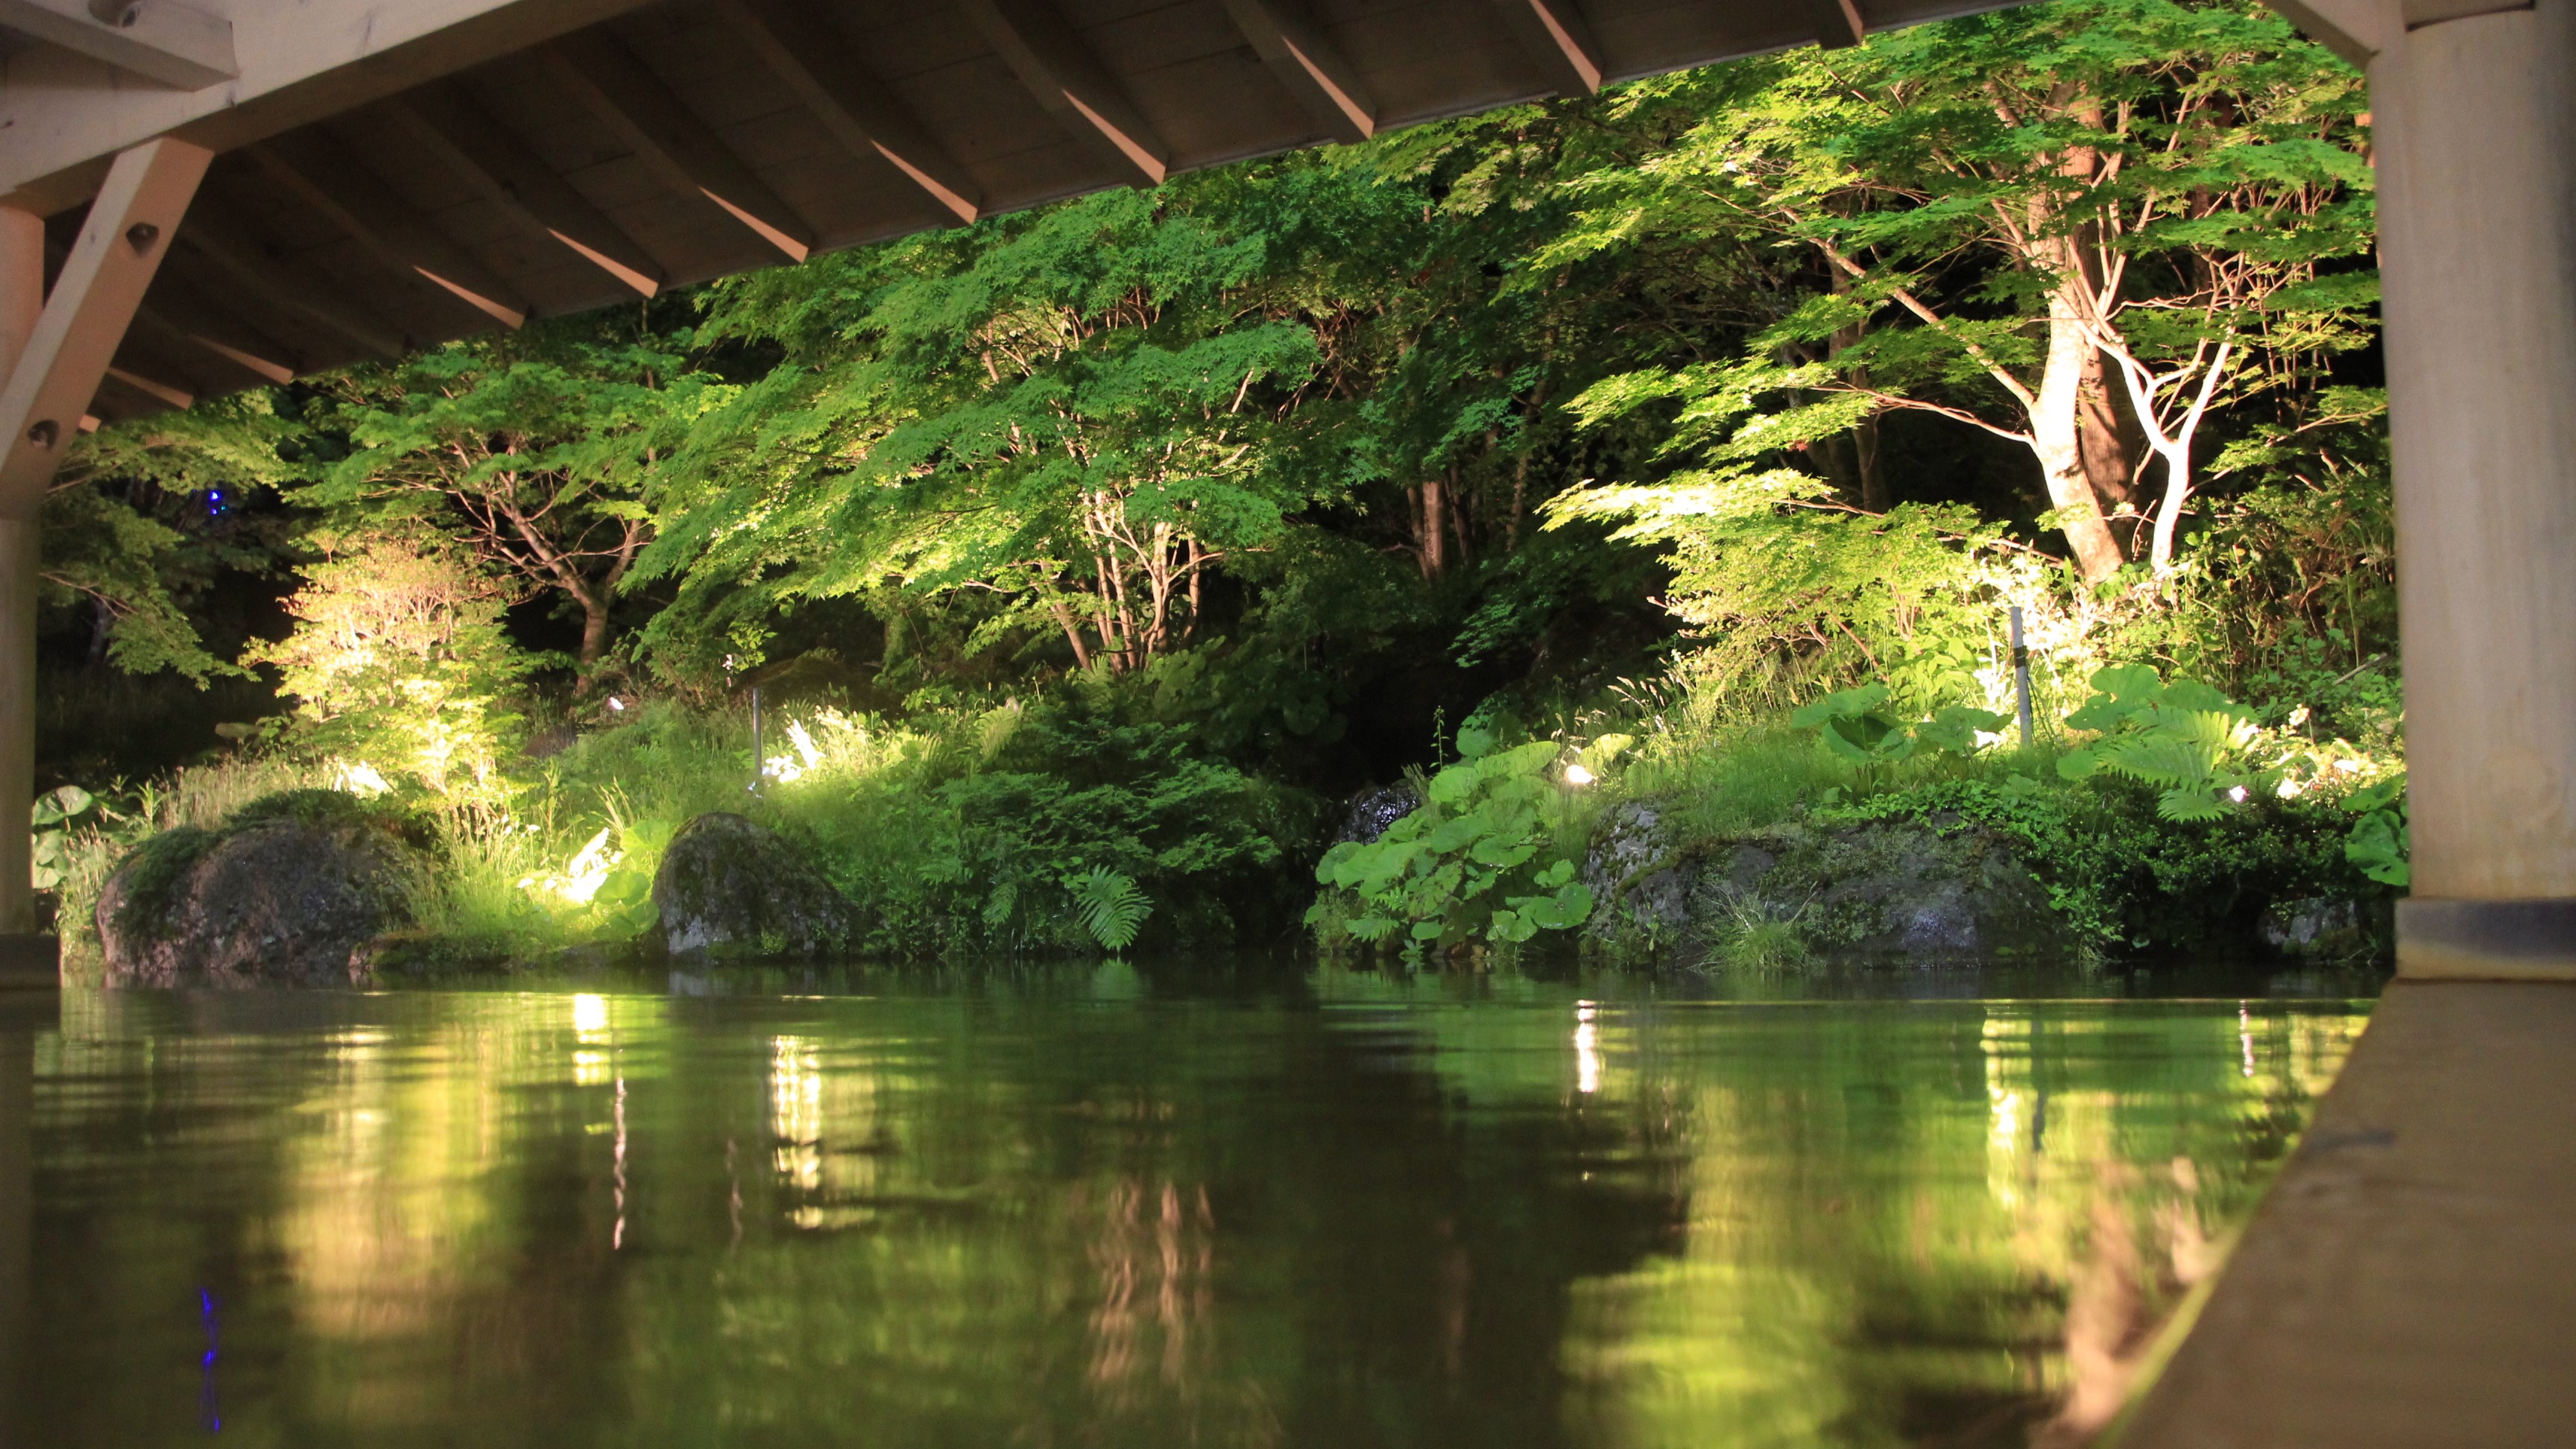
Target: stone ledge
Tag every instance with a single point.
(2410, 1278)
(30, 962)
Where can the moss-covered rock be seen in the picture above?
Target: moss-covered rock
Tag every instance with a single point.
(728, 886)
(287, 891)
(1895, 892)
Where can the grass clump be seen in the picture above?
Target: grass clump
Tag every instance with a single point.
(1751, 941)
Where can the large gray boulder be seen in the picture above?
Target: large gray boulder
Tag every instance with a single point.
(1891, 892)
(281, 901)
(1367, 814)
(728, 886)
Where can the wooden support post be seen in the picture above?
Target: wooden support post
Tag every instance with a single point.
(22, 305)
(55, 372)
(2476, 138)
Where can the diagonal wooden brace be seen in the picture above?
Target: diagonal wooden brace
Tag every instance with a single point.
(102, 282)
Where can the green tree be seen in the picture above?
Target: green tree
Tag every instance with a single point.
(1078, 414)
(141, 518)
(398, 663)
(2011, 214)
(533, 449)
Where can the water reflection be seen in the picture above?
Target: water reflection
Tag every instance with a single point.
(1356, 1212)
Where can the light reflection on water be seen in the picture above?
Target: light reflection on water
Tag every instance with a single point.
(1336, 1211)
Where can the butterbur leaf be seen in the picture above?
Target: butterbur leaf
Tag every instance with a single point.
(1426, 930)
(1452, 786)
(1955, 728)
(2377, 846)
(1329, 870)
(1556, 875)
(1501, 854)
(1475, 739)
(1842, 704)
(1870, 740)
(61, 803)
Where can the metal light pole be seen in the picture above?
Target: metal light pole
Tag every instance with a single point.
(2021, 676)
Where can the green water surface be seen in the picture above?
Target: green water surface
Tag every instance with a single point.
(1334, 1209)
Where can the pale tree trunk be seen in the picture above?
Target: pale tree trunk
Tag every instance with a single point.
(1431, 528)
(2172, 445)
(2055, 436)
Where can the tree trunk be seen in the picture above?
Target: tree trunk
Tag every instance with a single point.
(2055, 438)
(594, 633)
(2108, 436)
(1431, 528)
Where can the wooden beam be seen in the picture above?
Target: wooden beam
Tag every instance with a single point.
(154, 317)
(301, 61)
(1557, 37)
(22, 310)
(121, 245)
(669, 138)
(1306, 61)
(156, 39)
(1067, 79)
(467, 140)
(322, 173)
(152, 387)
(851, 103)
(287, 283)
(1839, 25)
(180, 298)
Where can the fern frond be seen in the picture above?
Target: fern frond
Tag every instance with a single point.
(1110, 906)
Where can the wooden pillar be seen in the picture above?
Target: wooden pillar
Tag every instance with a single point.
(22, 302)
(53, 375)
(2474, 111)
(2476, 121)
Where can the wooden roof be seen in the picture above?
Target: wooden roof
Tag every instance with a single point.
(462, 182)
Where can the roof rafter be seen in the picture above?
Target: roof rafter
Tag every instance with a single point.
(1557, 37)
(670, 139)
(1067, 79)
(1308, 62)
(290, 284)
(168, 394)
(180, 298)
(1839, 24)
(322, 173)
(852, 104)
(164, 318)
(484, 153)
